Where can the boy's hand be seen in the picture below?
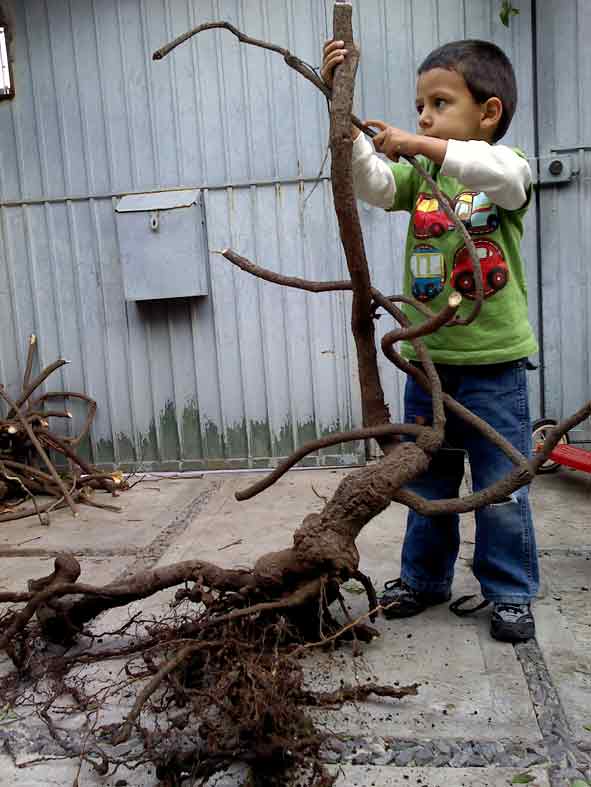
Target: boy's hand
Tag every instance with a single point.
(333, 53)
(393, 142)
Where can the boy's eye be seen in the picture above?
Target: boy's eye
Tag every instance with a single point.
(419, 108)
(440, 103)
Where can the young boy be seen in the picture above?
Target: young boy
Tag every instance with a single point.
(466, 98)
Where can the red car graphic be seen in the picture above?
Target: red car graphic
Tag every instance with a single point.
(495, 272)
(429, 220)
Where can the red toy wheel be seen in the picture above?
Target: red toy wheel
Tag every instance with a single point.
(497, 278)
(465, 282)
(540, 429)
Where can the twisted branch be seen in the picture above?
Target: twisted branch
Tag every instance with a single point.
(90, 415)
(385, 430)
(39, 448)
(32, 386)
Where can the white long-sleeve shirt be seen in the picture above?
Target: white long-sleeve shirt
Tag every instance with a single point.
(489, 188)
(494, 169)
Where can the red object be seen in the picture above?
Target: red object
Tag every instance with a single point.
(571, 456)
(494, 269)
(429, 220)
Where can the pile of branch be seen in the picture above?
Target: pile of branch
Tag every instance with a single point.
(27, 445)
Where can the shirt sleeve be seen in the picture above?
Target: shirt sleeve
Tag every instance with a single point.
(498, 170)
(391, 186)
(373, 179)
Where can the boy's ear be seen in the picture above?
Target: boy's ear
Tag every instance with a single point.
(492, 110)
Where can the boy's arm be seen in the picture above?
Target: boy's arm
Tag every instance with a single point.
(495, 169)
(373, 179)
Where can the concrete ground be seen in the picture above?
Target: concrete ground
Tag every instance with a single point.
(486, 713)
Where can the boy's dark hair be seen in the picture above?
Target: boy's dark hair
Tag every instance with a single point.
(487, 72)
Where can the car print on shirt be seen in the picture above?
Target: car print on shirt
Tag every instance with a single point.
(429, 220)
(427, 265)
(478, 214)
(495, 272)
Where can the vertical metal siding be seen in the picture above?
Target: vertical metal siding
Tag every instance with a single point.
(252, 370)
(565, 121)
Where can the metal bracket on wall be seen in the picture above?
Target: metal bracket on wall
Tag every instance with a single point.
(556, 168)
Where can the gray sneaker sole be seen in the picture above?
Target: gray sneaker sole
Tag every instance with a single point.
(512, 632)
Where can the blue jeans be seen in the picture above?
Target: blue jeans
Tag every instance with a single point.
(505, 555)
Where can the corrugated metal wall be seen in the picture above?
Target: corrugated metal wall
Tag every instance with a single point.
(564, 100)
(244, 374)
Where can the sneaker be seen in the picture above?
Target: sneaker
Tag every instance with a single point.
(401, 601)
(512, 622)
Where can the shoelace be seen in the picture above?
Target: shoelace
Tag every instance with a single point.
(514, 610)
(456, 606)
(391, 584)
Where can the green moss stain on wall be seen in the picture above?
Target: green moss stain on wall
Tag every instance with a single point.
(125, 448)
(84, 450)
(283, 440)
(235, 442)
(191, 432)
(194, 443)
(213, 443)
(339, 448)
(104, 451)
(306, 431)
(260, 438)
(170, 446)
(148, 444)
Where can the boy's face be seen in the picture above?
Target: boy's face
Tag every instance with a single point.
(447, 109)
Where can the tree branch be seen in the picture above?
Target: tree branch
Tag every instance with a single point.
(375, 410)
(91, 412)
(32, 386)
(39, 448)
(294, 62)
(385, 430)
(285, 281)
(29, 364)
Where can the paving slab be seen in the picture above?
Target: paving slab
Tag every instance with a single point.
(356, 776)
(58, 773)
(145, 511)
(474, 692)
(235, 533)
(564, 634)
(561, 507)
(15, 572)
(55, 772)
(105, 543)
(469, 687)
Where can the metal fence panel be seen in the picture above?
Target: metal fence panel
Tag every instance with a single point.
(565, 126)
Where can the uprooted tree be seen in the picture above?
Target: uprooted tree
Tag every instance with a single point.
(221, 679)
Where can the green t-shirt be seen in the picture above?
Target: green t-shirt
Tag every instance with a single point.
(437, 262)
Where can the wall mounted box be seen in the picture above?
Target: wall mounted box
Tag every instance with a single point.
(163, 245)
